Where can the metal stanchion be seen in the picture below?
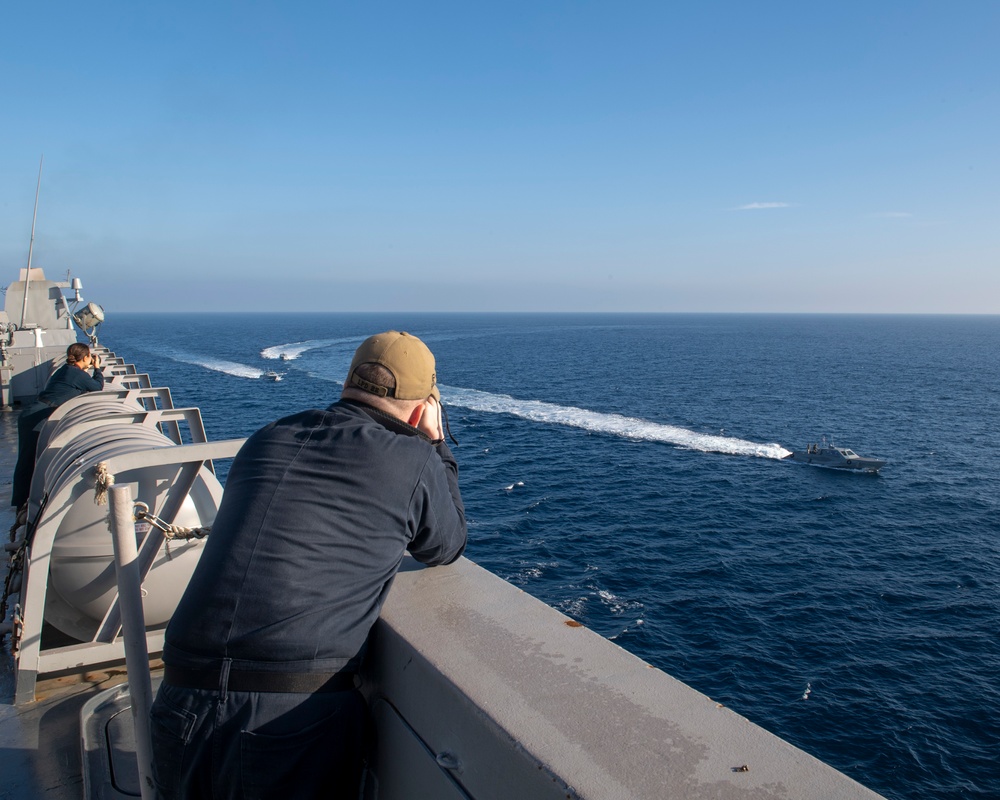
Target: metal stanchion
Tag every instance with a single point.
(133, 630)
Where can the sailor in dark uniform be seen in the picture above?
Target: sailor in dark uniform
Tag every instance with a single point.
(79, 375)
(258, 697)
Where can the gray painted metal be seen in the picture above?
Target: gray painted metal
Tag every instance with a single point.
(28, 347)
(133, 630)
(68, 570)
(519, 701)
(832, 457)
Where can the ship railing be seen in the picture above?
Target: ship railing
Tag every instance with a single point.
(135, 637)
(137, 438)
(105, 647)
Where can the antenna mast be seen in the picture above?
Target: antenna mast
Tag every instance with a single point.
(31, 244)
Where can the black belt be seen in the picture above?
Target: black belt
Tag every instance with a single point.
(241, 680)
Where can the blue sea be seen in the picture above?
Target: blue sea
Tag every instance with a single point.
(626, 469)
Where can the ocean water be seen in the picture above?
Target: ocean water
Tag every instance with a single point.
(626, 469)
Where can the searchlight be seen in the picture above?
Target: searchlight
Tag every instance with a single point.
(89, 319)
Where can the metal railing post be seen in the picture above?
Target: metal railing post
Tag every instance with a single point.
(133, 630)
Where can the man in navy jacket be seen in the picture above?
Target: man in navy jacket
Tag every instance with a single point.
(258, 697)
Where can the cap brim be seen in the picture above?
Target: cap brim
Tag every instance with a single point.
(436, 394)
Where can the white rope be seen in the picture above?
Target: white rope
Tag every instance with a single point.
(170, 531)
(103, 481)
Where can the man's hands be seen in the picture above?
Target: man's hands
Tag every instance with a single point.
(430, 420)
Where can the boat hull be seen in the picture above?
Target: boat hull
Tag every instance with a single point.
(855, 464)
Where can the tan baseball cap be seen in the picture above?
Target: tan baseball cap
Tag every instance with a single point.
(408, 359)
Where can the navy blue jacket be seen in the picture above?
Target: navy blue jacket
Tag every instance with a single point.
(318, 510)
(67, 382)
(64, 384)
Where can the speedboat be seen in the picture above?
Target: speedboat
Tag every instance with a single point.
(833, 457)
(271, 375)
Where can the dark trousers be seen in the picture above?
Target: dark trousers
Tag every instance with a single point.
(222, 745)
(28, 429)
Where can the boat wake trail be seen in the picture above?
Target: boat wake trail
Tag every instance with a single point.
(614, 424)
(218, 365)
(539, 411)
(292, 350)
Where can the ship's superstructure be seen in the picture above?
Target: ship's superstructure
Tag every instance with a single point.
(36, 326)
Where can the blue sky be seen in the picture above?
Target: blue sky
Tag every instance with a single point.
(538, 156)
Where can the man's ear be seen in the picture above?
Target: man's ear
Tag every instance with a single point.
(416, 415)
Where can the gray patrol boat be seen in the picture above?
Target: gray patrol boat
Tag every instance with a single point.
(829, 456)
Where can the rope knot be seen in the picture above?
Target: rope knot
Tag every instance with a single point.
(103, 481)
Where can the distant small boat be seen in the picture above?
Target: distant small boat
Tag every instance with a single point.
(285, 357)
(832, 457)
(271, 375)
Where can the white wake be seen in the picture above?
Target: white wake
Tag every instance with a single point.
(539, 411)
(218, 365)
(292, 350)
(614, 424)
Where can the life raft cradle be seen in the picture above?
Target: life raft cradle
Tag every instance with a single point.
(33, 541)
